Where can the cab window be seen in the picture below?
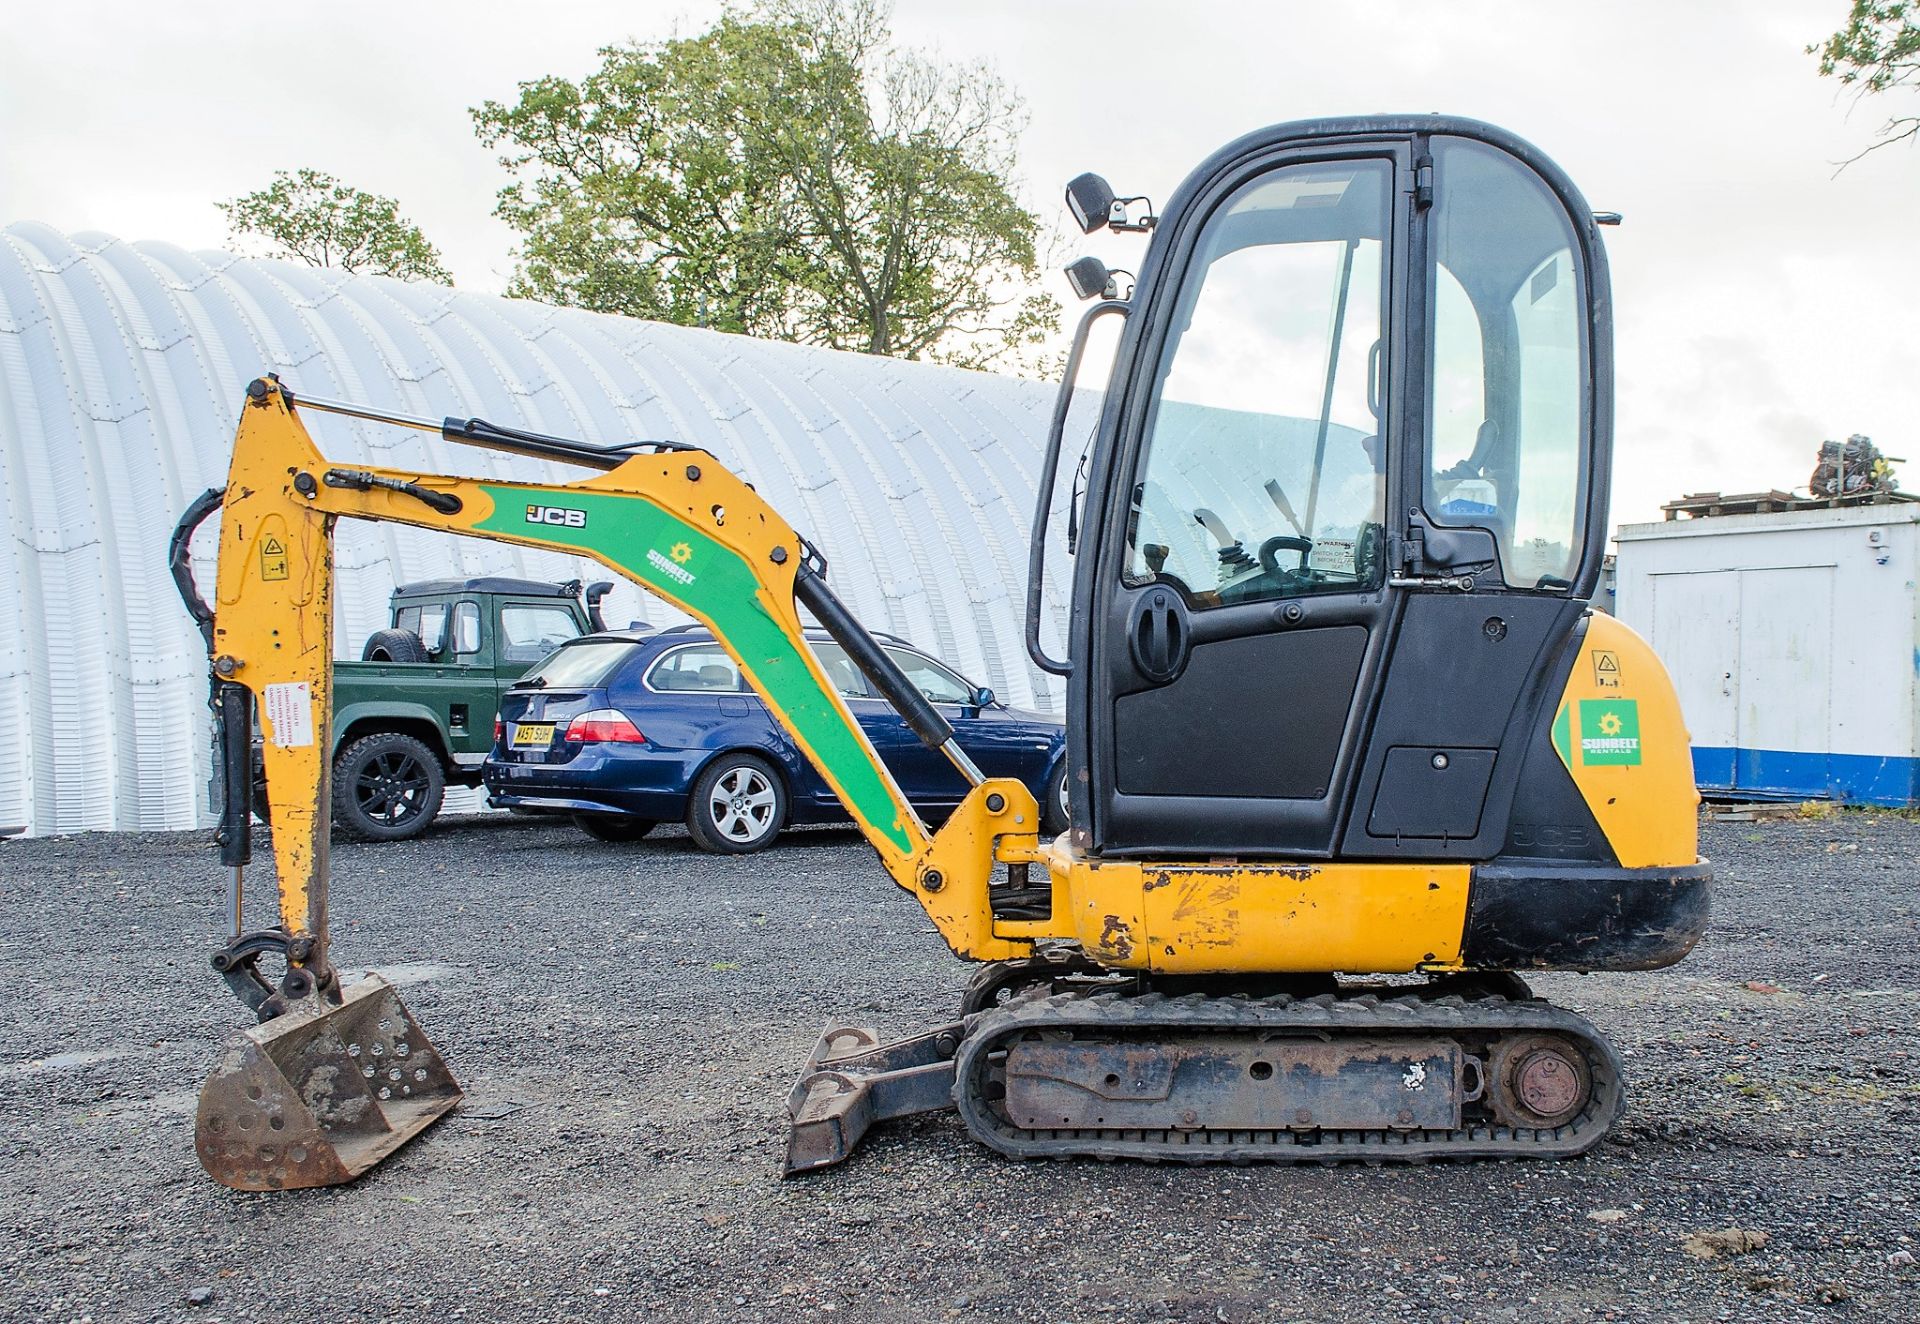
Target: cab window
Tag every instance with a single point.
(1508, 364)
(1263, 473)
(466, 628)
(429, 622)
(528, 633)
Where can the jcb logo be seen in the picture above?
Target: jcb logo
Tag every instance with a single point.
(1550, 836)
(560, 515)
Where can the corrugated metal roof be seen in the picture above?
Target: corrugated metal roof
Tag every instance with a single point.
(121, 369)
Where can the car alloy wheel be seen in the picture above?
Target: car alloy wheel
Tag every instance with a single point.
(391, 788)
(387, 787)
(736, 805)
(742, 804)
(1056, 809)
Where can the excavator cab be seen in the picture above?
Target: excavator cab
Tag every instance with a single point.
(1347, 506)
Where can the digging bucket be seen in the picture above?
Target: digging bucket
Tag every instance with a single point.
(315, 1098)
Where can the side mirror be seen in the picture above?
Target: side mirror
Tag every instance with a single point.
(981, 698)
(1089, 277)
(1091, 200)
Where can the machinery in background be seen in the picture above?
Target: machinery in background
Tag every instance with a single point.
(1852, 468)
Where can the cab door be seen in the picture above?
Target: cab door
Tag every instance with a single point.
(1352, 488)
(1241, 602)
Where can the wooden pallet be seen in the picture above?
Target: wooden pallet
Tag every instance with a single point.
(1702, 505)
(1763, 812)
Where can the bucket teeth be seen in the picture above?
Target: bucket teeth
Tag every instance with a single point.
(315, 1098)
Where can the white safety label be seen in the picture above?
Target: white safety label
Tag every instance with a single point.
(1332, 555)
(290, 714)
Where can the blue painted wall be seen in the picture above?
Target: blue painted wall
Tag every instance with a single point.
(1784, 774)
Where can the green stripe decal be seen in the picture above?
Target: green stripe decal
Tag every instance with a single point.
(691, 570)
(1563, 734)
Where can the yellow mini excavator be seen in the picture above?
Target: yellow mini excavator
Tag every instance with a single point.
(1348, 750)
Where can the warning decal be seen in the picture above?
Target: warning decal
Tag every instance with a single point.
(289, 709)
(1609, 733)
(1606, 670)
(273, 558)
(1333, 555)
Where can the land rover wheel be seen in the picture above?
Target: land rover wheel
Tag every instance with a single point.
(386, 787)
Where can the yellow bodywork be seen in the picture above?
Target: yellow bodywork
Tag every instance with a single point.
(1638, 783)
(1258, 917)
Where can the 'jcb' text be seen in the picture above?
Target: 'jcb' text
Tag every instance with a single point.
(560, 515)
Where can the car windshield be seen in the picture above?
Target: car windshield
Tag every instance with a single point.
(930, 678)
(588, 662)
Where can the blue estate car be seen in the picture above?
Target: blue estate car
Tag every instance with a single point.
(627, 728)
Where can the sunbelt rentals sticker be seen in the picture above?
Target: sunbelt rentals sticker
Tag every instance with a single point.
(1609, 732)
(673, 564)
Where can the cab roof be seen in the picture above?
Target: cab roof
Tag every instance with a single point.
(532, 588)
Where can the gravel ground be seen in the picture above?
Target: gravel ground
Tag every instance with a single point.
(627, 1021)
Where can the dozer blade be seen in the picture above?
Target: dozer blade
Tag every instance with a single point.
(852, 1080)
(315, 1098)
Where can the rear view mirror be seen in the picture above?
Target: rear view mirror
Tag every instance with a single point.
(1091, 200)
(981, 698)
(1088, 277)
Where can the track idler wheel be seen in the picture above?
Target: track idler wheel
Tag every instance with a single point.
(1539, 1080)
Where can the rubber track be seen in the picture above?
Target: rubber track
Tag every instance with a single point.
(1154, 1014)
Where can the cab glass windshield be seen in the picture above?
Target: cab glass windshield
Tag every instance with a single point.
(1263, 474)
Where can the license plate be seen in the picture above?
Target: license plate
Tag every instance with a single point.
(532, 735)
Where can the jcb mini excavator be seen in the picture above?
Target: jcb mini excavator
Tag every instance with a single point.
(1347, 747)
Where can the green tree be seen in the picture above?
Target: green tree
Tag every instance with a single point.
(1877, 51)
(313, 218)
(787, 173)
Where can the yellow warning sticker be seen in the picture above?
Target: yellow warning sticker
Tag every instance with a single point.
(273, 559)
(1606, 670)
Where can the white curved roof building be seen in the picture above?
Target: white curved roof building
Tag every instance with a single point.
(121, 367)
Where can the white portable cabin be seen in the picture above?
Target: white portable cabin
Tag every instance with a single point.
(1791, 635)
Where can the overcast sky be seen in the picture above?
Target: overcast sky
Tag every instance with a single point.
(1764, 301)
